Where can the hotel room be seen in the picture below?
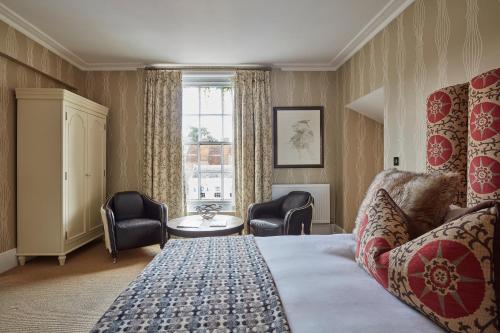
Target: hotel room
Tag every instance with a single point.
(250, 166)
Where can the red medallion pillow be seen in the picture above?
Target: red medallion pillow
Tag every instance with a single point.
(447, 134)
(383, 228)
(483, 170)
(450, 273)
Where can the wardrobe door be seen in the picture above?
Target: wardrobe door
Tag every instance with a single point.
(75, 153)
(96, 168)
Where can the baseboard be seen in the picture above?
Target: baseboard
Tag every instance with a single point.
(321, 229)
(337, 229)
(8, 260)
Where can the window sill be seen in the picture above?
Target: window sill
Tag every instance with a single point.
(222, 212)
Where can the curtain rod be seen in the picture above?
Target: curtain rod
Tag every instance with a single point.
(222, 68)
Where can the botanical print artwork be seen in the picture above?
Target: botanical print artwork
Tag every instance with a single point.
(298, 135)
(302, 139)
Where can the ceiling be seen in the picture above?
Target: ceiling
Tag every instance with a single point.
(120, 34)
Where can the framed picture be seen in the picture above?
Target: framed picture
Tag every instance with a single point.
(298, 136)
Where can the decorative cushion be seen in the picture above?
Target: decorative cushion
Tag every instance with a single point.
(484, 138)
(384, 227)
(425, 198)
(447, 134)
(449, 273)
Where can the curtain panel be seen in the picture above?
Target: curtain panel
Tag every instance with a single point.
(163, 139)
(252, 139)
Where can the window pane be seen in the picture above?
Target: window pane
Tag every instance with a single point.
(190, 128)
(190, 102)
(191, 181)
(228, 186)
(210, 158)
(228, 129)
(210, 128)
(228, 158)
(211, 186)
(190, 158)
(211, 100)
(228, 101)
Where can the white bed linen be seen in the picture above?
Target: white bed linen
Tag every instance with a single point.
(323, 289)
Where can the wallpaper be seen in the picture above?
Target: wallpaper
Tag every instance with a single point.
(24, 64)
(123, 93)
(432, 44)
(311, 89)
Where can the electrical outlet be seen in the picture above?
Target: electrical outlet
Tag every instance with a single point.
(396, 161)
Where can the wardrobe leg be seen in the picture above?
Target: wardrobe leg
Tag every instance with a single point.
(22, 260)
(62, 260)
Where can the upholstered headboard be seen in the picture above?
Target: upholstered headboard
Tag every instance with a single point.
(463, 135)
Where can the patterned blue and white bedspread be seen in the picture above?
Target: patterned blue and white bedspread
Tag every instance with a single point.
(218, 284)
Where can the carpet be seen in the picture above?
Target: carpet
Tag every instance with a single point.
(45, 297)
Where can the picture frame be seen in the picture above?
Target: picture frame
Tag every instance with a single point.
(298, 136)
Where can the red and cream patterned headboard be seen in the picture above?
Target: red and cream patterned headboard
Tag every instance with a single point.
(463, 135)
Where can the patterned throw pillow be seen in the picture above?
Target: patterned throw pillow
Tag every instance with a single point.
(383, 228)
(450, 273)
(447, 134)
(423, 197)
(484, 138)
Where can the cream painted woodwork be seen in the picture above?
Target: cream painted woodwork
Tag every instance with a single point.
(61, 171)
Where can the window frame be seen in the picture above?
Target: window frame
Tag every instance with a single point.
(219, 80)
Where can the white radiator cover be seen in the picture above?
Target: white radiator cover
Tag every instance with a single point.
(320, 193)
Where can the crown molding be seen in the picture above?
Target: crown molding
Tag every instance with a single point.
(304, 67)
(376, 24)
(20, 24)
(112, 66)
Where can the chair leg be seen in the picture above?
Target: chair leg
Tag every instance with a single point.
(115, 256)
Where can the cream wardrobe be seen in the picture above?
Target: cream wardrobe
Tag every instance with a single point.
(61, 172)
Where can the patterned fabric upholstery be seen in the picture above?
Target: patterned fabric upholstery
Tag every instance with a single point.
(212, 284)
(448, 273)
(484, 138)
(447, 134)
(383, 228)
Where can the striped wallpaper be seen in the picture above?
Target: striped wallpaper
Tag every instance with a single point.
(432, 44)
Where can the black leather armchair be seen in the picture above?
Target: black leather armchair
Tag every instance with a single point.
(132, 220)
(288, 215)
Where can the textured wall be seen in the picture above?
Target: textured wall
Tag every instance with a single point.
(123, 93)
(23, 64)
(311, 89)
(432, 44)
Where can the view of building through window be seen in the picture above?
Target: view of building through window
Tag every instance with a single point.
(207, 130)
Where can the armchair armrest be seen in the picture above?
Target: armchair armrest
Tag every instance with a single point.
(158, 211)
(108, 218)
(295, 217)
(268, 208)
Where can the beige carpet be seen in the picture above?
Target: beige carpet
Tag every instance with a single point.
(45, 297)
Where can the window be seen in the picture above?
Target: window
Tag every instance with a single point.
(207, 136)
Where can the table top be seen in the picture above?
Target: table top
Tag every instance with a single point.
(233, 225)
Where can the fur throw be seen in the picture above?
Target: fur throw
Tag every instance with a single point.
(424, 197)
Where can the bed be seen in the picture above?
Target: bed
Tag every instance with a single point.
(301, 284)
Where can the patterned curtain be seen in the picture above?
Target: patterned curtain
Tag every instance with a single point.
(252, 139)
(163, 139)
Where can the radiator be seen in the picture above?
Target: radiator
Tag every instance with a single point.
(320, 193)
